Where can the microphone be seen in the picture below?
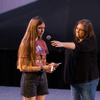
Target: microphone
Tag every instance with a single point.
(49, 38)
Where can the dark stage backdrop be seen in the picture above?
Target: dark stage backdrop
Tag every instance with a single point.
(60, 17)
(13, 24)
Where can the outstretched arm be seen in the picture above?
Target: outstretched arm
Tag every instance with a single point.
(69, 45)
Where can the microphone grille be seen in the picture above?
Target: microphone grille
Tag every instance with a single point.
(48, 37)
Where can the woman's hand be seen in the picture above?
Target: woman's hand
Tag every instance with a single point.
(54, 65)
(57, 43)
(48, 68)
(53, 68)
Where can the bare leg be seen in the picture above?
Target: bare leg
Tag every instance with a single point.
(40, 97)
(31, 98)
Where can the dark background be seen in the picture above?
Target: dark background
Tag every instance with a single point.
(60, 17)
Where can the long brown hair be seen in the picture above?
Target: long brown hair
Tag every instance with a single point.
(27, 48)
(89, 32)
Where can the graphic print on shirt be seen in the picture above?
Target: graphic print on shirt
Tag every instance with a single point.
(41, 51)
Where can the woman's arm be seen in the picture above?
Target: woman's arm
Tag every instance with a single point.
(29, 68)
(26, 68)
(69, 45)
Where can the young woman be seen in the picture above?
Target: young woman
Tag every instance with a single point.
(81, 70)
(32, 61)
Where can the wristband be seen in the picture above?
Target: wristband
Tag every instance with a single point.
(41, 68)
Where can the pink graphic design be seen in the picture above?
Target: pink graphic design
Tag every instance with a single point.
(41, 51)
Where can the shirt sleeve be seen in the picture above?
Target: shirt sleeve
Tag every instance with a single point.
(86, 45)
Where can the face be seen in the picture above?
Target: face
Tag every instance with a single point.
(80, 31)
(40, 30)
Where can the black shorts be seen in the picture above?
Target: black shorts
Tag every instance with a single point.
(34, 84)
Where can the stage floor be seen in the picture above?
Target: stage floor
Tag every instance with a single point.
(13, 93)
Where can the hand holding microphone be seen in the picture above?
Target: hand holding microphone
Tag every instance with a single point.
(56, 43)
(53, 43)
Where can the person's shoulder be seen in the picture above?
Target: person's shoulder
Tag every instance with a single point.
(43, 41)
(89, 39)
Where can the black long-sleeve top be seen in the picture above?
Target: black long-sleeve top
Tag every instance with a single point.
(82, 62)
